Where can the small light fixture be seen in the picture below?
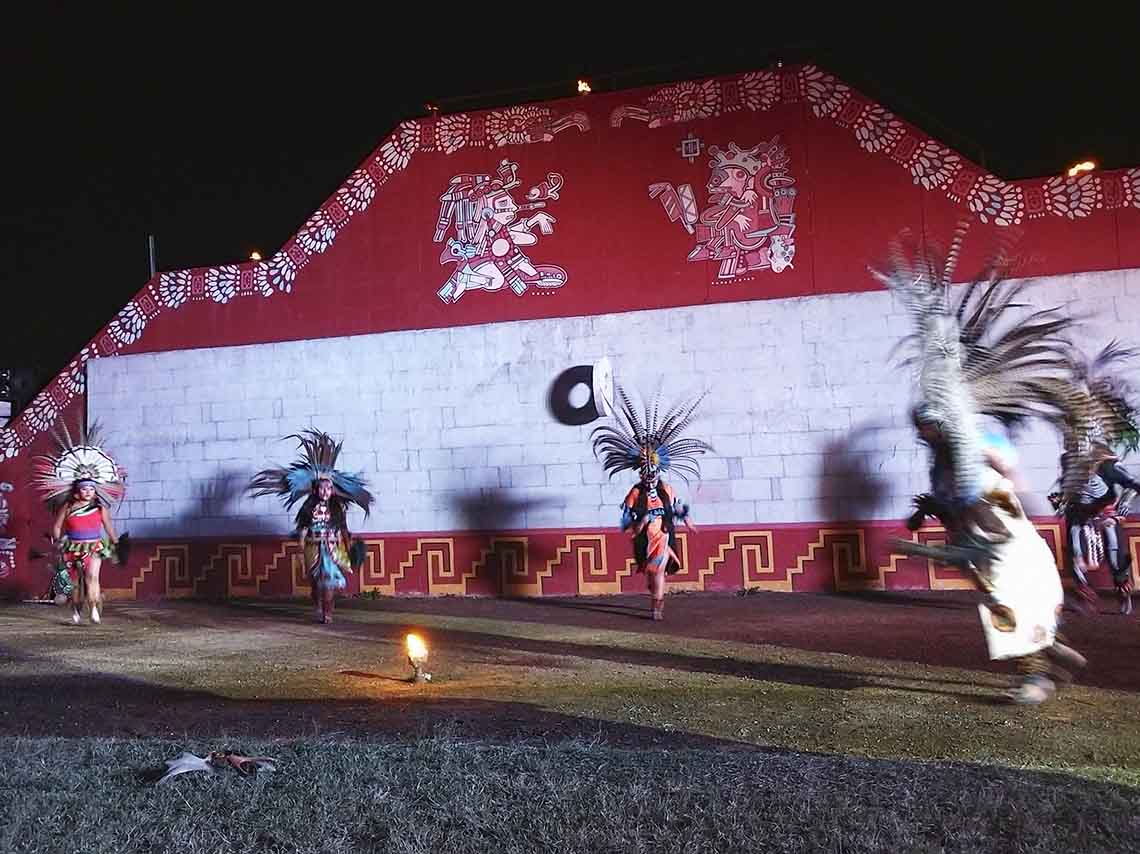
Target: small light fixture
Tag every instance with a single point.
(431, 108)
(254, 255)
(584, 88)
(417, 657)
(1084, 166)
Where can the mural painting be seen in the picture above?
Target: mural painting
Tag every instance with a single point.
(490, 231)
(748, 222)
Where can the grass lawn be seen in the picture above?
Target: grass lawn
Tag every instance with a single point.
(536, 734)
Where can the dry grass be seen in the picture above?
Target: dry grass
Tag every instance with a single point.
(755, 695)
(770, 748)
(440, 794)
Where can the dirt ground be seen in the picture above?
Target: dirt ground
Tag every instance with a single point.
(887, 675)
(933, 628)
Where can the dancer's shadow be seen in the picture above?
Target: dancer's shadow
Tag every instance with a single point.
(851, 486)
(495, 509)
(568, 603)
(897, 598)
(216, 508)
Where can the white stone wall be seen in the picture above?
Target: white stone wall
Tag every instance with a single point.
(450, 426)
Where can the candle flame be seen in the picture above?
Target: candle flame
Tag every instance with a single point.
(1083, 166)
(417, 651)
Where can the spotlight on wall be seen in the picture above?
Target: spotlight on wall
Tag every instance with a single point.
(1083, 166)
(584, 88)
(254, 255)
(417, 657)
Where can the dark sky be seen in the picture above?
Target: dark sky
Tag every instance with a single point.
(221, 134)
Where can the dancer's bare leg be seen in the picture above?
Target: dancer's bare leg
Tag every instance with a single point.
(77, 596)
(657, 593)
(94, 592)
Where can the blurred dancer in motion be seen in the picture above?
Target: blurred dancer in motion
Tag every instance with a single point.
(970, 368)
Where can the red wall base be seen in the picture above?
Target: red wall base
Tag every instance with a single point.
(790, 558)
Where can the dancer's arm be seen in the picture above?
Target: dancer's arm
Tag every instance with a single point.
(105, 514)
(1118, 476)
(57, 526)
(346, 546)
(681, 511)
(628, 515)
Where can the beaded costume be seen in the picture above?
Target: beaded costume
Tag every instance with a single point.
(1098, 427)
(321, 522)
(652, 446)
(80, 484)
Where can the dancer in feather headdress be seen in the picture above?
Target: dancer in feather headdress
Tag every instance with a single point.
(321, 523)
(971, 368)
(80, 484)
(651, 446)
(1098, 427)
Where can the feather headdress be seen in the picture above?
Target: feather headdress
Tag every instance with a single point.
(971, 362)
(650, 445)
(1099, 417)
(80, 460)
(318, 458)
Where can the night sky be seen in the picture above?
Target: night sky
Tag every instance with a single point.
(221, 135)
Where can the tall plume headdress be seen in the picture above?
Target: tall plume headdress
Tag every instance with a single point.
(317, 461)
(976, 358)
(80, 459)
(1099, 418)
(651, 444)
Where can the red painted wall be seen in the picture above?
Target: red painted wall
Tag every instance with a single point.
(367, 262)
(787, 558)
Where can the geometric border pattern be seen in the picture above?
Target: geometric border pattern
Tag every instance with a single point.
(591, 565)
(175, 562)
(508, 560)
(786, 558)
(757, 561)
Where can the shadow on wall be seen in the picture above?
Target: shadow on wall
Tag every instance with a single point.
(495, 509)
(850, 485)
(214, 503)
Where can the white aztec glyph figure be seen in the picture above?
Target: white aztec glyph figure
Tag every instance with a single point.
(490, 233)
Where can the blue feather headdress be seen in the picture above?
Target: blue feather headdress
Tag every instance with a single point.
(318, 462)
(650, 445)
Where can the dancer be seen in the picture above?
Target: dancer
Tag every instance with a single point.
(1016, 571)
(970, 370)
(1101, 417)
(321, 523)
(651, 509)
(80, 484)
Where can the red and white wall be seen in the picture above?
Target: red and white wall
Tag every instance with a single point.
(716, 234)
